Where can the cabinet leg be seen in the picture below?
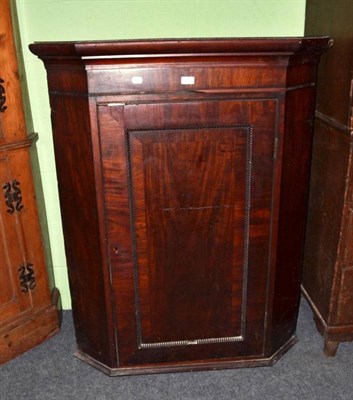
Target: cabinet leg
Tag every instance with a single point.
(330, 348)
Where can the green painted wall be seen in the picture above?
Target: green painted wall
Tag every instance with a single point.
(120, 19)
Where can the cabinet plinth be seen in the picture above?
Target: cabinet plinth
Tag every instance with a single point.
(183, 171)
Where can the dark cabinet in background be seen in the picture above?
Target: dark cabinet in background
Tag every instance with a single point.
(328, 261)
(183, 172)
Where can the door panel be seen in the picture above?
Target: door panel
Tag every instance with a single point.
(13, 302)
(189, 227)
(190, 235)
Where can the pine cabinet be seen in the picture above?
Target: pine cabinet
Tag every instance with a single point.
(29, 302)
(183, 171)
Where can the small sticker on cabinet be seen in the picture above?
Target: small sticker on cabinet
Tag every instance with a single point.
(137, 80)
(187, 80)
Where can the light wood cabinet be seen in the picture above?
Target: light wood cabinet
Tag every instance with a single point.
(28, 307)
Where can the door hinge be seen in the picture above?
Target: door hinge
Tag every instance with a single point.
(13, 196)
(27, 278)
(2, 97)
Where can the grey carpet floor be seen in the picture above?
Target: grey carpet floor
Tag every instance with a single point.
(51, 372)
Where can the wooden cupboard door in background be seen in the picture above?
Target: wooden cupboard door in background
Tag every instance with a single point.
(28, 306)
(13, 301)
(27, 314)
(188, 190)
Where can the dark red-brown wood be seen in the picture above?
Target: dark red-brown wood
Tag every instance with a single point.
(328, 261)
(183, 204)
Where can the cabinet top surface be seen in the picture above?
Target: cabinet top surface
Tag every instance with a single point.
(177, 47)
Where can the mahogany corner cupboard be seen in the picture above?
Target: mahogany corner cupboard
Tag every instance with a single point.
(183, 170)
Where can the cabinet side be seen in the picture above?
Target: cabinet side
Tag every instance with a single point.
(297, 145)
(77, 190)
(326, 202)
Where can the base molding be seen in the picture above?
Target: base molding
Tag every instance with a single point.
(30, 330)
(191, 366)
(332, 335)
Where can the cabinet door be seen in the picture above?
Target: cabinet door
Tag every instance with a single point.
(14, 298)
(188, 193)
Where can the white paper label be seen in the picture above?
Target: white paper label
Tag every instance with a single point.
(187, 80)
(137, 80)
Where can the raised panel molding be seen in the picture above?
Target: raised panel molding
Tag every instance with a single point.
(133, 135)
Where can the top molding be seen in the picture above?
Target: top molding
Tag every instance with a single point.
(147, 48)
